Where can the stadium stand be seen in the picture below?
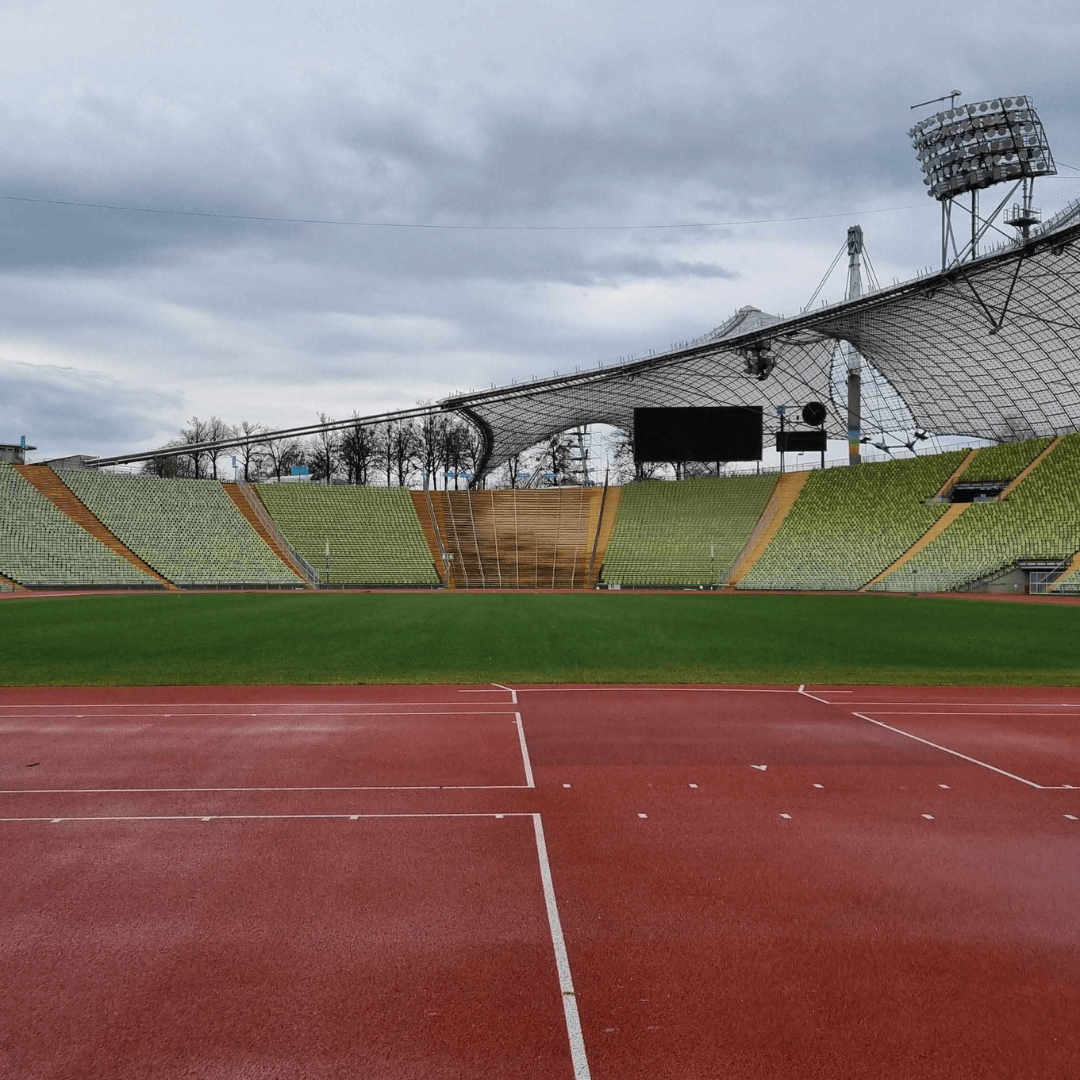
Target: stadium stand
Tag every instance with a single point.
(849, 524)
(373, 533)
(684, 533)
(189, 531)
(1006, 461)
(521, 539)
(1039, 522)
(40, 547)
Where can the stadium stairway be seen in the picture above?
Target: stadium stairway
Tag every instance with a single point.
(520, 539)
(1028, 471)
(67, 502)
(251, 515)
(787, 490)
(959, 471)
(931, 534)
(7, 585)
(433, 530)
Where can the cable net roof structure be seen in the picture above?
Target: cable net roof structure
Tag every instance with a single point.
(988, 348)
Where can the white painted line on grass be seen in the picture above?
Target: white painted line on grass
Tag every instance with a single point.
(562, 961)
(955, 753)
(529, 783)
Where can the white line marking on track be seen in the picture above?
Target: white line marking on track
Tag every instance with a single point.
(258, 817)
(651, 689)
(1072, 817)
(955, 753)
(57, 820)
(824, 701)
(944, 786)
(529, 783)
(566, 785)
(562, 961)
(513, 693)
(996, 712)
(786, 817)
(153, 790)
(929, 817)
(819, 785)
(643, 815)
(693, 785)
(762, 768)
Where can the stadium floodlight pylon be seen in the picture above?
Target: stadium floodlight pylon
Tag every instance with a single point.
(967, 148)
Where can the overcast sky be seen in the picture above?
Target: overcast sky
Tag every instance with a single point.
(116, 326)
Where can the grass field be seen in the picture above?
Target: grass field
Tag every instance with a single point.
(467, 638)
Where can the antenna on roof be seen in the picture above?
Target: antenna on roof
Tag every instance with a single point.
(950, 97)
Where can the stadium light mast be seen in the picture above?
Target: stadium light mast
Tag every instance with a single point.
(851, 354)
(967, 148)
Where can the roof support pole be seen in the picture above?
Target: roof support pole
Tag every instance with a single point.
(851, 354)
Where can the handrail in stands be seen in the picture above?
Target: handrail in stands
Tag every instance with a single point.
(301, 564)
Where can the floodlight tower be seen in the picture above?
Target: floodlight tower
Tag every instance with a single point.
(851, 354)
(967, 148)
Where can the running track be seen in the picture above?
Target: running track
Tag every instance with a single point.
(489, 883)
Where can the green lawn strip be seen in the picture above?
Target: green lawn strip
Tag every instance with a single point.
(465, 638)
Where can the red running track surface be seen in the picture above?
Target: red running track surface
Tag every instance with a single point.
(445, 882)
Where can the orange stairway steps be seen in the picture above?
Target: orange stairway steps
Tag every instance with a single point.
(235, 493)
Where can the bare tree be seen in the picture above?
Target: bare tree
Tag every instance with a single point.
(324, 451)
(512, 470)
(216, 430)
(626, 469)
(251, 454)
(553, 458)
(358, 449)
(405, 445)
(283, 454)
(169, 467)
(431, 437)
(196, 432)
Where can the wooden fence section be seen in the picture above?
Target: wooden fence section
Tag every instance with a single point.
(523, 539)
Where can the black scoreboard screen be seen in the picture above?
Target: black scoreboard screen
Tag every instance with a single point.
(713, 433)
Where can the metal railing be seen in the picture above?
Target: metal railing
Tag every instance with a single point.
(300, 564)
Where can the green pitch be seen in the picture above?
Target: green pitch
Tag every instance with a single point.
(472, 638)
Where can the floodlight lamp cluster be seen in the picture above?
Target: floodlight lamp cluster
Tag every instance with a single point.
(973, 146)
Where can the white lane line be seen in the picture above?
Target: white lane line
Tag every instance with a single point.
(786, 817)
(471, 711)
(944, 787)
(955, 753)
(153, 790)
(995, 712)
(929, 817)
(643, 815)
(562, 961)
(566, 785)
(819, 785)
(824, 701)
(760, 768)
(651, 690)
(1071, 817)
(513, 693)
(973, 704)
(529, 783)
(693, 785)
(240, 707)
(258, 817)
